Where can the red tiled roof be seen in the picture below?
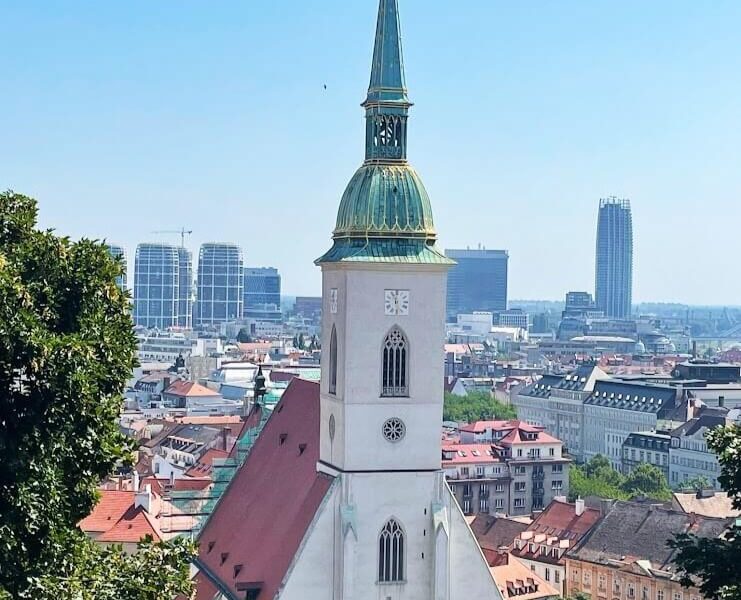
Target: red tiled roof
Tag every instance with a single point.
(281, 376)
(482, 426)
(559, 520)
(189, 389)
(112, 506)
(133, 526)
(265, 512)
(514, 437)
(470, 454)
(117, 520)
(215, 420)
(179, 485)
(202, 468)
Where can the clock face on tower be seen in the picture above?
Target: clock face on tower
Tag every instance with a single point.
(396, 302)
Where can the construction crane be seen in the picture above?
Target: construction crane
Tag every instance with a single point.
(182, 232)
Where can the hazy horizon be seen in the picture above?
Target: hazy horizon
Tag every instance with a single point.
(126, 119)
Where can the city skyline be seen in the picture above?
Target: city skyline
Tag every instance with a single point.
(155, 133)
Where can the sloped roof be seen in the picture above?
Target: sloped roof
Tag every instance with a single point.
(559, 520)
(710, 504)
(495, 532)
(189, 389)
(133, 526)
(263, 516)
(635, 531)
(112, 505)
(482, 426)
(469, 454)
(117, 520)
(515, 580)
(179, 485)
(204, 464)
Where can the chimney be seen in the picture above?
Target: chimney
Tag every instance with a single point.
(135, 481)
(144, 499)
(605, 506)
(721, 401)
(579, 507)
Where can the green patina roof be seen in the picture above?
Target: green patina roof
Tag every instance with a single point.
(387, 83)
(385, 200)
(389, 250)
(385, 214)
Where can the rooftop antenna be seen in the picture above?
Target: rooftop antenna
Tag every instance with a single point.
(182, 232)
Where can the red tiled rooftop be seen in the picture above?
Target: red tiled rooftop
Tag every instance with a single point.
(135, 525)
(482, 426)
(469, 454)
(514, 437)
(262, 519)
(215, 420)
(112, 506)
(179, 485)
(189, 389)
(203, 467)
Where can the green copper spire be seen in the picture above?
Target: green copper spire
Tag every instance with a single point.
(385, 214)
(387, 83)
(387, 104)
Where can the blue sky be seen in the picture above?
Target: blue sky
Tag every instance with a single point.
(123, 118)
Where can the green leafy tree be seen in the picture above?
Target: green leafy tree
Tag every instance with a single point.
(594, 479)
(700, 482)
(647, 480)
(715, 562)
(157, 571)
(66, 351)
(475, 406)
(301, 341)
(244, 337)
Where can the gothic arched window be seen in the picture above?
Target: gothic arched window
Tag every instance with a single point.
(391, 553)
(333, 362)
(395, 362)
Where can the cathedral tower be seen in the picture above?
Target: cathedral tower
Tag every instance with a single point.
(342, 496)
(384, 294)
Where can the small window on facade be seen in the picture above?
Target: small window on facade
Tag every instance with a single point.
(391, 553)
(395, 362)
(333, 362)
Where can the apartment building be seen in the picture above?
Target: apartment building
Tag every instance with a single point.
(626, 557)
(505, 467)
(543, 545)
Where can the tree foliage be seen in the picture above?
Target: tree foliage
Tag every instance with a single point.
(243, 336)
(92, 572)
(647, 480)
(597, 478)
(715, 562)
(475, 406)
(66, 350)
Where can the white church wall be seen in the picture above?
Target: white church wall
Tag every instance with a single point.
(470, 573)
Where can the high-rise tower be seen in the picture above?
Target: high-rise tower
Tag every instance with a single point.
(118, 252)
(614, 259)
(163, 276)
(219, 284)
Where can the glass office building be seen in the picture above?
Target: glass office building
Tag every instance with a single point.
(478, 282)
(262, 293)
(614, 260)
(163, 276)
(118, 252)
(219, 285)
